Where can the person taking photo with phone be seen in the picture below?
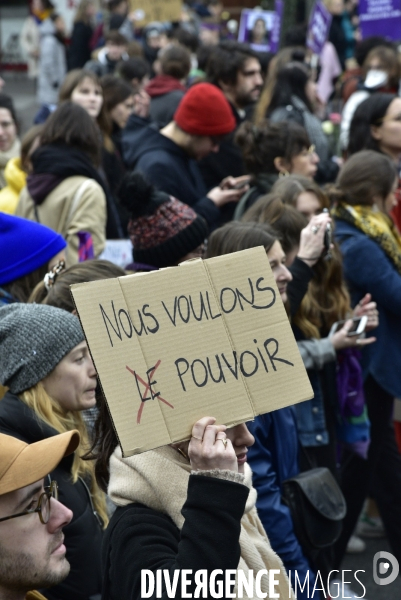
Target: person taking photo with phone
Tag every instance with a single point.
(371, 247)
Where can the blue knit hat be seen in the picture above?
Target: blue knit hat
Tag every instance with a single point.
(25, 246)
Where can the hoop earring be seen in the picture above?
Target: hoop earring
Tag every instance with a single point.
(283, 173)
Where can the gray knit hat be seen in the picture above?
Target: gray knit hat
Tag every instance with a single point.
(33, 340)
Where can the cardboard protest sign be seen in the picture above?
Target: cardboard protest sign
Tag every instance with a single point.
(261, 28)
(206, 338)
(380, 17)
(155, 10)
(318, 27)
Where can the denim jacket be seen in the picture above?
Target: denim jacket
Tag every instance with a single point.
(311, 422)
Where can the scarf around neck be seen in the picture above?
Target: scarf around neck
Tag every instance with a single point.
(159, 480)
(163, 84)
(376, 225)
(54, 163)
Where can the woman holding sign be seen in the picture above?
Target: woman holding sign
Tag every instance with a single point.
(188, 506)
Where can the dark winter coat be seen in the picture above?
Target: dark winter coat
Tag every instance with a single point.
(227, 161)
(367, 269)
(274, 458)
(259, 186)
(83, 536)
(167, 166)
(139, 538)
(79, 51)
(166, 93)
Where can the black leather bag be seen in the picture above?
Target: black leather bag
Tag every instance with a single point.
(317, 507)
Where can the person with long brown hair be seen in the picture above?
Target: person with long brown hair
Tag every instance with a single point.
(83, 87)
(56, 290)
(65, 191)
(190, 504)
(303, 194)
(118, 106)
(325, 302)
(274, 457)
(294, 99)
(371, 247)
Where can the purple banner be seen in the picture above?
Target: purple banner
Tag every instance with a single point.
(276, 31)
(261, 28)
(380, 17)
(318, 28)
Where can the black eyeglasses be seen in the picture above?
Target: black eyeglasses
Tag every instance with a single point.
(43, 505)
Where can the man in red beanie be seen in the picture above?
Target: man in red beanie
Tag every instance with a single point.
(168, 157)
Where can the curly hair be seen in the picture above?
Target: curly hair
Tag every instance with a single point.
(261, 144)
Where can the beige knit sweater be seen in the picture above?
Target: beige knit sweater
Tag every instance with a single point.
(159, 479)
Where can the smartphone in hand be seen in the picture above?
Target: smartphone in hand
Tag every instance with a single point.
(358, 326)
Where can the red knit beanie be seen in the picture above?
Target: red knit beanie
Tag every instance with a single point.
(204, 110)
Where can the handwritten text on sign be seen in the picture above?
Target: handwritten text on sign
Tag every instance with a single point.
(208, 337)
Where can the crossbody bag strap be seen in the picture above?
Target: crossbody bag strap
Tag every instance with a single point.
(77, 199)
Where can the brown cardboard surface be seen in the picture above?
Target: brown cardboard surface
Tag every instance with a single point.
(212, 337)
(157, 10)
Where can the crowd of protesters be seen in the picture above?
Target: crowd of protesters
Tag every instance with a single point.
(186, 143)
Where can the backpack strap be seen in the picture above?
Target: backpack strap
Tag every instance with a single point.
(77, 199)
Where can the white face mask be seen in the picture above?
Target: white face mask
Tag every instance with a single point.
(376, 78)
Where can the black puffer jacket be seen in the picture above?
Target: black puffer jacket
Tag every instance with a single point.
(83, 536)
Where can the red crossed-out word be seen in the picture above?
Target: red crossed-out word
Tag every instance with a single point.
(148, 388)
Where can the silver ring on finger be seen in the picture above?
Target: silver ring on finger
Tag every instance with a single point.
(315, 229)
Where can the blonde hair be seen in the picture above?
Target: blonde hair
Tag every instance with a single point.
(50, 411)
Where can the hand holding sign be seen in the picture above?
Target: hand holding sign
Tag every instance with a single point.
(206, 337)
(209, 447)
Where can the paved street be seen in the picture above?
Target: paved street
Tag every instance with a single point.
(364, 561)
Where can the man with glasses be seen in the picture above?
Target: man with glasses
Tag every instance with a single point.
(32, 553)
